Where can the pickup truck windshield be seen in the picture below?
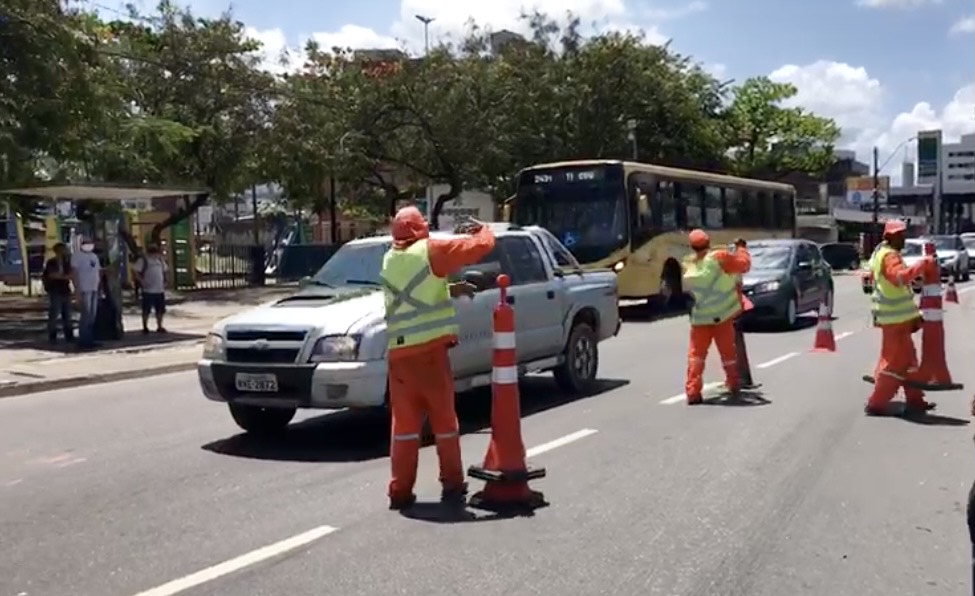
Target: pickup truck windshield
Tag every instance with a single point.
(911, 249)
(585, 208)
(353, 265)
(765, 258)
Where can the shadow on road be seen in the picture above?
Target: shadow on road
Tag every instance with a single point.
(441, 513)
(32, 335)
(934, 420)
(748, 397)
(354, 436)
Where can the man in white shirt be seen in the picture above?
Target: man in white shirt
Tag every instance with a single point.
(150, 271)
(86, 272)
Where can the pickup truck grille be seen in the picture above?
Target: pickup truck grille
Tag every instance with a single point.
(263, 355)
(267, 335)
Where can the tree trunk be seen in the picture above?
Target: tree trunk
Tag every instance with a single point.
(452, 193)
(189, 208)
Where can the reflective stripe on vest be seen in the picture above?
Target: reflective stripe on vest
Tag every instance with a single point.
(715, 292)
(891, 304)
(418, 304)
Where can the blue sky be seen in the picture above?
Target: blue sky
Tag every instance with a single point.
(882, 68)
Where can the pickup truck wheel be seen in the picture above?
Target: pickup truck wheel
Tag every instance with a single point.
(261, 421)
(577, 372)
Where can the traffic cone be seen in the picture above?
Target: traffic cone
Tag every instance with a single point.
(825, 342)
(933, 373)
(505, 471)
(951, 294)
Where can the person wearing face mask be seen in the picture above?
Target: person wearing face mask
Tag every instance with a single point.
(86, 273)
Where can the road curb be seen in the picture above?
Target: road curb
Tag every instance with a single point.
(18, 389)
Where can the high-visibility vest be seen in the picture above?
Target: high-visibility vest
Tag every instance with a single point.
(418, 304)
(715, 292)
(891, 304)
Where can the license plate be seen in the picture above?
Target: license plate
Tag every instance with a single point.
(256, 383)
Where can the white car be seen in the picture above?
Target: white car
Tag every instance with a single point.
(325, 346)
(968, 239)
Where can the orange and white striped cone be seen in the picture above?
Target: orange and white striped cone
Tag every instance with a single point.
(825, 341)
(505, 471)
(951, 293)
(933, 374)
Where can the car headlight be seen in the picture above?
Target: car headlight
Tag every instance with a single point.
(213, 347)
(335, 348)
(767, 286)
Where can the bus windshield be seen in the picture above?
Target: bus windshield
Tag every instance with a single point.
(584, 207)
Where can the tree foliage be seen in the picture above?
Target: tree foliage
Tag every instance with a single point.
(169, 98)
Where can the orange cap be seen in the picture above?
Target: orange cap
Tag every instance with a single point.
(699, 239)
(894, 226)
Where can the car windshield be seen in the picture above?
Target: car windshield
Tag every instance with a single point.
(353, 265)
(911, 249)
(766, 257)
(943, 242)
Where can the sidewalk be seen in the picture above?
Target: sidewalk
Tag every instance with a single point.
(29, 365)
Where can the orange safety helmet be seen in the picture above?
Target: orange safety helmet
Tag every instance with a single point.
(699, 239)
(894, 226)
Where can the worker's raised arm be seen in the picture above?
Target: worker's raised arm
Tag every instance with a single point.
(899, 274)
(449, 255)
(734, 263)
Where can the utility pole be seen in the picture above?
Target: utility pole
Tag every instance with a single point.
(426, 31)
(333, 216)
(631, 135)
(876, 196)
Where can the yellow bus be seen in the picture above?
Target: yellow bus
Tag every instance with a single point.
(634, 217)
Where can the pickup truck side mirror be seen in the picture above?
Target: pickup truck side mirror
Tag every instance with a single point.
(481, 280)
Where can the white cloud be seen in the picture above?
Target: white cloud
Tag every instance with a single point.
(896, 3)
(274, 47)
(857, 103)
(964, 25)
(355, 37)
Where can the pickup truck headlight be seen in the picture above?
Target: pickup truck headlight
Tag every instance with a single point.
(767, 286)
(214, 347)
(336, 348)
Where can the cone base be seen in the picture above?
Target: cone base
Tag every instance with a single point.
(924, 386)
(507, 499)
(833, 349)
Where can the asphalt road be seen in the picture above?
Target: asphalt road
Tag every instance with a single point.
(143, 487)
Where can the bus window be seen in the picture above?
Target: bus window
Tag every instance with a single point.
(733, 208)
(785, 211)
(749, 211)
(665, 206)
(713, 218)
(691, 197)
(766, 210)
(641, 193)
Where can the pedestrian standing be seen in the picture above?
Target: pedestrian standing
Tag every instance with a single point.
(420, 329)
(57, 286)
(711, 276)
(150, 272)
(86, 275)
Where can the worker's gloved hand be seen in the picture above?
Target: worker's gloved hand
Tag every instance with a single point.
(471, 226)
(462, 288)
(740, 243)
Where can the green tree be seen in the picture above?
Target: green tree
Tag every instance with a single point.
(769, 140)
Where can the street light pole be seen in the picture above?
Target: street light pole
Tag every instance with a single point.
(876, 194)
(426, 31)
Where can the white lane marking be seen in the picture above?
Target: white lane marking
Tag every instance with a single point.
(560, 442)
(844, 335)
(966, 290)
(778, 360)
(683, 396)
(246, 560)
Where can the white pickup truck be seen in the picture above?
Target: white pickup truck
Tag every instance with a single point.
(325, 346)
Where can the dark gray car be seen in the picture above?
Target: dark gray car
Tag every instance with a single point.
(788, 278)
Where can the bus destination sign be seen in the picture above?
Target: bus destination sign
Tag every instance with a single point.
(567, 176)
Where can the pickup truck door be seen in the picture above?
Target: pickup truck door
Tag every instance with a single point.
(472, 354)
(535, 298)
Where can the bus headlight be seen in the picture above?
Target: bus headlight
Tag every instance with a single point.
(336, 348)
(618, 266)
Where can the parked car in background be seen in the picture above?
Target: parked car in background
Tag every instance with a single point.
(841, 256)
(968, 239)
(952, 256)
(325, 346)
(788, 277)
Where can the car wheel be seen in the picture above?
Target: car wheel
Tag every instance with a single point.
(261, 421)
(829, 301)
(577, 373)
(966, 274)
(671, 291)
(791, 314)
(854, 265)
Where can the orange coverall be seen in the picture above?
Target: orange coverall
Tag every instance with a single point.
(722, 334)
(420, 378)
(897, 354)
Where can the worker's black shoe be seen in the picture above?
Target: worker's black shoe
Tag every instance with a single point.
(693, 400)
(401, 503)
(454, 496)
(919, 409)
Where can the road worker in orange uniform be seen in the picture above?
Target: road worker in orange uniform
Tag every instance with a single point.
(420, 328)
(898, 317)
(711, 276)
